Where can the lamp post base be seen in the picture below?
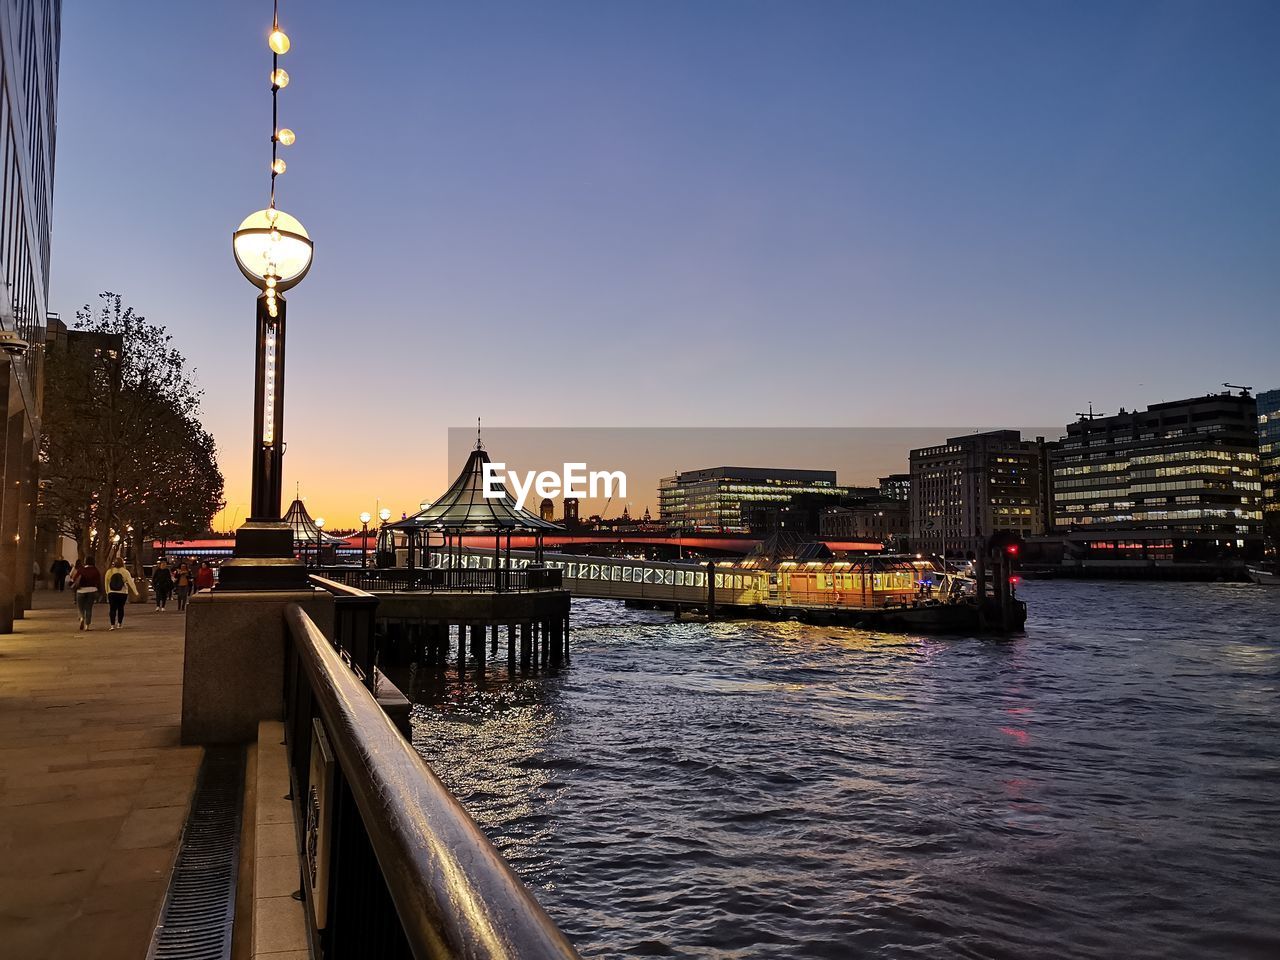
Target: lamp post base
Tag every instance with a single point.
(263, 559)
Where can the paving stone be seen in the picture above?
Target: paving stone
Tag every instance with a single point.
(94, 785)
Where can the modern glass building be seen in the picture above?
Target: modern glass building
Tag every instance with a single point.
(1269, 464)
(30, 35)
(1177, 481)
(722, 499)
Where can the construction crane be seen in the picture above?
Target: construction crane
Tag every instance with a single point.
(1244, 391)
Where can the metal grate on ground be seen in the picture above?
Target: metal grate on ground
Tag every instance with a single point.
(199, 908)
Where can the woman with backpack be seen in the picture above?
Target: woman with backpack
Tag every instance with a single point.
(119, 587)
(87, 582)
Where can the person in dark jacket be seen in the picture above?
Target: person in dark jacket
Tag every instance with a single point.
(60, 569)
(88, 584)
(162, 582)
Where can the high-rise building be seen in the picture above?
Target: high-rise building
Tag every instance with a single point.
(1177, 481)
(30, 35)
(971, 487)
(724, 499)
(1269, 464)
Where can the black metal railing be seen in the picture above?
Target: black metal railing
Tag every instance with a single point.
(430, 580)
(354, 615)
(393, 865)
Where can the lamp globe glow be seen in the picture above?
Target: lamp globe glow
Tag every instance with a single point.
(278, 41)
(365, 518)
(280, 78)
(279, 247)
(384, 514)
(320, 523)
(286, 136)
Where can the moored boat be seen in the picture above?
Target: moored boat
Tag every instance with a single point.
(1267, 578)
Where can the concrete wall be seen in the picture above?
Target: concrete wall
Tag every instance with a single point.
(233, 675)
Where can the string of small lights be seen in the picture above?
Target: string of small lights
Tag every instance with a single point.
(278, 41)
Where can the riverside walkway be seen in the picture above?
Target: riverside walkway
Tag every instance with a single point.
(94, 786)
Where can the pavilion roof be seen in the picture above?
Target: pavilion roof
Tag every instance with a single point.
(305, 530)
(464, 508)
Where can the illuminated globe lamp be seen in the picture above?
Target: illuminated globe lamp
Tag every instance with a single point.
(273, 251)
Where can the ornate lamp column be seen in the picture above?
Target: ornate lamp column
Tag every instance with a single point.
(273, 251)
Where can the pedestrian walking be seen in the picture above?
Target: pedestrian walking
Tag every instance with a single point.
(182, 584)
(204, 577)
(119, 586)
(88, 584)
(60, 569)
(162, 582)
(74, 579)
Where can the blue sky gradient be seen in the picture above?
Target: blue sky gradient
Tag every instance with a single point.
(716, 213)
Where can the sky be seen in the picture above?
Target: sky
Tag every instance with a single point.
(671, 214)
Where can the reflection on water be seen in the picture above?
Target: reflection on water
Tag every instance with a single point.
(1105, 786)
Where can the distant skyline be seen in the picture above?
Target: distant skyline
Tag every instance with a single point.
(707, 213)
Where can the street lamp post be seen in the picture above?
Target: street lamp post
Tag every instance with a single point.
(384, 515)
(319, 538)
(273, 251)
(364, 539)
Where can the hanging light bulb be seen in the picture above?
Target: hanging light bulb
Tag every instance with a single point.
(286, 136)
(278, 166)
(278, 41)
(280, 78)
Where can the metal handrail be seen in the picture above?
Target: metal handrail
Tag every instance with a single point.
(432, 579)
(454, 894)
(353, 627)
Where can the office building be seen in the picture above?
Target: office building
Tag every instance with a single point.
(878, 519)
(725, 499)
(30, 33)
(971, 487)
(1178, 481)
(1269, 465)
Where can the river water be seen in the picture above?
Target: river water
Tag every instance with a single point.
(1107, 785)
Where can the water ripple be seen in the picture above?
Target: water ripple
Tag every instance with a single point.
(1105, 786)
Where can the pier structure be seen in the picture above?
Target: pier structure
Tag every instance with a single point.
(439, 610)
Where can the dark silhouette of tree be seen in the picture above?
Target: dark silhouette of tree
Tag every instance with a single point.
(124, 453)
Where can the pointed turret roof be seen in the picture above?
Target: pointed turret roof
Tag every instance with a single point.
(464, 508)
(305, 530)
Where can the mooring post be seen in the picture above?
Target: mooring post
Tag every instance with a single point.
(477, 644)
(462, 649)
(511, 644)
(493, 641)
(557, 641)
(526, 647)
(566, 638)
